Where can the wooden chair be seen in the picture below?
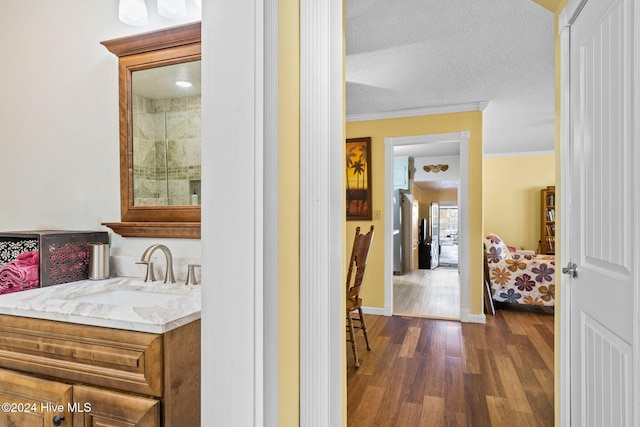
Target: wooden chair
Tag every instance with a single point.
(357, 264)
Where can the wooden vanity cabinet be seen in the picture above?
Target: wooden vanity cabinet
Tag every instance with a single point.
(112, 409)
(32, 402)
(101, 376)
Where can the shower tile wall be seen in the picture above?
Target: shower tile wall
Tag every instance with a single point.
(181, 119)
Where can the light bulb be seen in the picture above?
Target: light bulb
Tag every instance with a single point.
(174, 9)
(133, 12)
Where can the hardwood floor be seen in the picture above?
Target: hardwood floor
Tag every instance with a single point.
(425, 372)
(428, 293)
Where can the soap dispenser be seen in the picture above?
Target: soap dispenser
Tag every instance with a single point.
(194, 198)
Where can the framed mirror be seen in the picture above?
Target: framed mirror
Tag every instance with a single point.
(160, 125)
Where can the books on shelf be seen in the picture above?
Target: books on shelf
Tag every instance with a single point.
(548, 218)
(551, 214)
(551, 229)
(551, 244)
(551, 199)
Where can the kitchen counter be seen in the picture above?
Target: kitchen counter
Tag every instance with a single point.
(119, 302)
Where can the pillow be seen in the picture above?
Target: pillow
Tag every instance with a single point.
(496, 249)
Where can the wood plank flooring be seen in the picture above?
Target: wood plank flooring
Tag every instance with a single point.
(426, 372)
(428, 293)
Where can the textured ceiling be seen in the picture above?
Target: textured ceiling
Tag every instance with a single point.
(415, 54)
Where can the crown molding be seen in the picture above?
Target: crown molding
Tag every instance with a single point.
(520, 153)
(165, 38)
(421, 111)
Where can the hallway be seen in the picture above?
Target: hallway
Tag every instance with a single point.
(428, 293)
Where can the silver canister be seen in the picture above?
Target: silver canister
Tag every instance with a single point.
(98, 261)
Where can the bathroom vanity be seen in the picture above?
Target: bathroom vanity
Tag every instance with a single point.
(117, 352)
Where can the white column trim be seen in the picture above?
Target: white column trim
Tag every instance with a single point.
(321, 215)
(464, 258)
(233, 215)
(271, 200)
(636, 209)
(565, 212)
(388, 226)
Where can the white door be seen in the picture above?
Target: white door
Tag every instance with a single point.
(407, 232)
(600, 215)
(434, 221)
(415, 233)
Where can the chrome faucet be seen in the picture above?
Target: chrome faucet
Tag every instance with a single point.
(146, 259)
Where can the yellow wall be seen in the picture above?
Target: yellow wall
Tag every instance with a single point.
(289, 215)
(427, 196)
(512, 196)
(551, 5)
(373, 291)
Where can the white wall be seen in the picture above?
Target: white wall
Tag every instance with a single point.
(59, 119)
(452, 173)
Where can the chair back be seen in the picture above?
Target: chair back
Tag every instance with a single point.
(358, 262)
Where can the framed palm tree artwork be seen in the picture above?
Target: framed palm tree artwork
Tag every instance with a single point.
(358, 170)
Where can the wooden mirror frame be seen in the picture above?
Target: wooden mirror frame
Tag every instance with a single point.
(138, 52)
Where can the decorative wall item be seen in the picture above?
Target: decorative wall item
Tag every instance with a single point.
(358, 169)
(435, 168)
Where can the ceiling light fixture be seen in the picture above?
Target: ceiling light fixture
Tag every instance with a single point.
(174, 9)
(133, 12)
(183, 83)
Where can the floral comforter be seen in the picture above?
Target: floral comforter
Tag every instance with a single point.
(519, 279)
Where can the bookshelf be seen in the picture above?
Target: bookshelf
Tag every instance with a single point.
(548, 221)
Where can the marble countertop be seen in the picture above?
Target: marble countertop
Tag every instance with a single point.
(146, 307)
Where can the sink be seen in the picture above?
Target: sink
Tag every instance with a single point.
(127, 297)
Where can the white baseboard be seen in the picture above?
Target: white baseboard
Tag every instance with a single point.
(374, 310)
(467, 317)
(388, 309)
(477, 318)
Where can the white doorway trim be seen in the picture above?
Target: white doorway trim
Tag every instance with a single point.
(322, 315)
(463, 139)
(566, 18)
(233, 218)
